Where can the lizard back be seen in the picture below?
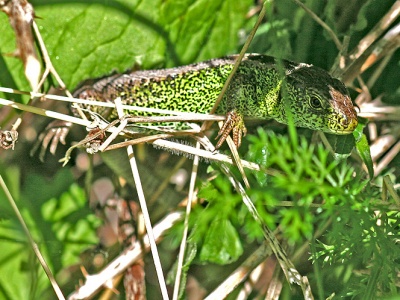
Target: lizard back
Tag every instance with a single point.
(314, 98)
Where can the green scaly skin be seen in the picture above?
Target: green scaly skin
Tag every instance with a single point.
(314, 99)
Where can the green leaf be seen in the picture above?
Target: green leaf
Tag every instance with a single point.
(203, 29)
(365, 153)
(362, 17)
(95, 38)
(12, 71)
(190, 255)
(21, 276)
(73, 224)
(12, 176)
(296, 224)
(273, 38)
(342, 145)
(222, 244)
(62, 224)
(362, 146)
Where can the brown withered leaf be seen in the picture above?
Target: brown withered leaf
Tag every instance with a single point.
(134, 283)
(21, 15)
(8, 138)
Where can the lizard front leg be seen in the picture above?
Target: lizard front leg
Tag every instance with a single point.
(235, 105)
(233, 123)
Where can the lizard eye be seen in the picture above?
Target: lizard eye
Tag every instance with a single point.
(315, 103)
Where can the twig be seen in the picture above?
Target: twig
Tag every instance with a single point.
(241, 273)
(379, 28)
(291, 273)
(182, 247)
(322, 23)
(124, 260)
(188, 116)
(379, 70)
(208, 155)
(239, 59)
(389, 43)
(391, 189)
(226, 85)
(374, 111)
(383, 142)
(143, 206)
(49, 65)
(44, 112)
(367, 52)
(387, 159)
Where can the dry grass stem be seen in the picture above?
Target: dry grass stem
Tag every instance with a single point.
(143, 206)
(241, 273)
(182, 248)
(124, 260)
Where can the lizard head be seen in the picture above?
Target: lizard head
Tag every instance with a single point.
(319, 101)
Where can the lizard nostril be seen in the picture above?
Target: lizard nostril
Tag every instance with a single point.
(344, 121)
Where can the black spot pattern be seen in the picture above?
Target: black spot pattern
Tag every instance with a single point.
(255, 91)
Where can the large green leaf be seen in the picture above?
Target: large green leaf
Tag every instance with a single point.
(222, 244)
(91, 39)
(95, 38)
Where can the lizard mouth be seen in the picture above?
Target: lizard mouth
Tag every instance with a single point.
(344, 118)
(345, 126)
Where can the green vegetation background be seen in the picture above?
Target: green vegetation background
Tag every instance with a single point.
(94, 38)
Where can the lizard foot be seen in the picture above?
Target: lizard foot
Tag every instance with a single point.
(55, 133)
(233, 122)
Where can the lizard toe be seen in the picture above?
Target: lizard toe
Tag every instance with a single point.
(54, 134)
(233, 123)
(237, 134)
